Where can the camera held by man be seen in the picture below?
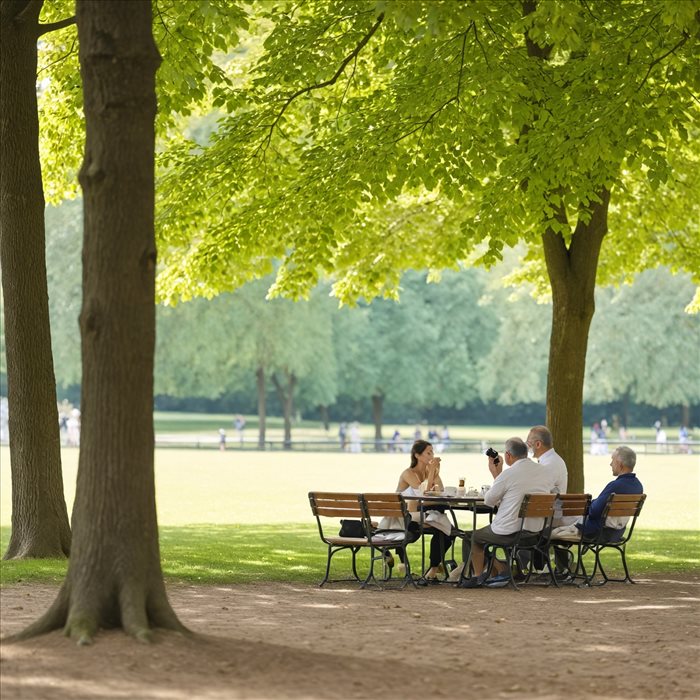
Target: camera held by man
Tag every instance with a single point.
(493, 454)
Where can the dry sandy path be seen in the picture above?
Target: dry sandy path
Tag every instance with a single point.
(283, 641)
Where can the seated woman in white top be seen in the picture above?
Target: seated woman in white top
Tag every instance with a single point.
(424, 469)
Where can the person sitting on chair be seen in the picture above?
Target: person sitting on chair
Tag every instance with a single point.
(622, 463)
(509, 487)
(424, 469)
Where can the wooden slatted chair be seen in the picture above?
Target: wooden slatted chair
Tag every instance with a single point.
(329, 509)
(618, 506)
(571, 505)
(393, 507)
(534, 505)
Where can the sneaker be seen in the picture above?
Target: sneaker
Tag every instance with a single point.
(401, 568)
(499, 581)
(473, 582)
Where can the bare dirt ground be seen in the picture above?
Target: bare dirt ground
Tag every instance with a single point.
(284, 641)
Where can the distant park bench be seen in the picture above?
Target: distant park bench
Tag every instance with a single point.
(454, 445)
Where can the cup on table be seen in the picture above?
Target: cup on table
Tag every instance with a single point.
(451, 491)
(484, 489)
(472, 491)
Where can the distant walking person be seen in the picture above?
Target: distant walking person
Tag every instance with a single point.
(239, 424)
(73, 427)
(355, 441)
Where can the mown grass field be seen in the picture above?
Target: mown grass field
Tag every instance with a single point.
(240, 516)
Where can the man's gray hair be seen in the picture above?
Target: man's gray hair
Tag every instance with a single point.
(516, 447)
(627, 456)
(541, 433)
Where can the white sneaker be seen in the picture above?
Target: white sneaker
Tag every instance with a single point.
(401, 569)
(456, 573)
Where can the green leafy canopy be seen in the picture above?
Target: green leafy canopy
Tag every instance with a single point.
(365, 138)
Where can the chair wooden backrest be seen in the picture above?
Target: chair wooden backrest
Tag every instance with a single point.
(574, 504)
(624, 505)
(537, 505)
(385, 505)
(337, 506)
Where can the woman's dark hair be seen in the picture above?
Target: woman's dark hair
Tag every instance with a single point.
(419, 447)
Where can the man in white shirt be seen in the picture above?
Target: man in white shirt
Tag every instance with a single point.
(539, 440)
(523, 476)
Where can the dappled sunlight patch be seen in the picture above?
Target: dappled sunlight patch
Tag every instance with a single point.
(330, 606)
(608, 648)
(614, 601)
(653, 607)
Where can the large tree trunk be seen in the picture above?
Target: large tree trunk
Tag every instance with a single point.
(572, 274)
(325, 418)
(377, 417)
(114, 576)
(262, 406)
(626, 409)
(685, 415)
(40, 525)
(286, 397)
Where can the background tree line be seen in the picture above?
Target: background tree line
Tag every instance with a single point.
(465, 348)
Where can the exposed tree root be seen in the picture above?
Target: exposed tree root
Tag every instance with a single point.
(54, 618)
(131, 608)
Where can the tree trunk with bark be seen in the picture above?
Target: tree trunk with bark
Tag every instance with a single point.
(262, 406)
(377, 418)
(685, 415)
(114, 575)
(286, 397)
(626, 409)
(325, 418)
(572, 275)
(40, 526)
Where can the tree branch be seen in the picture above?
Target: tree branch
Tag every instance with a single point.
(59, 59)
(461, 62)
(661, 58)
(53, 26)
(456, 98)
(331, 81)
(345, 92)
(476, 38)
(422, 125)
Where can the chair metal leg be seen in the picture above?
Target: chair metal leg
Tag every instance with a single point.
(328, 566)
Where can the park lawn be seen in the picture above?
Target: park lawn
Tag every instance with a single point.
(225, 516)
(234, 487)
(230, 554)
